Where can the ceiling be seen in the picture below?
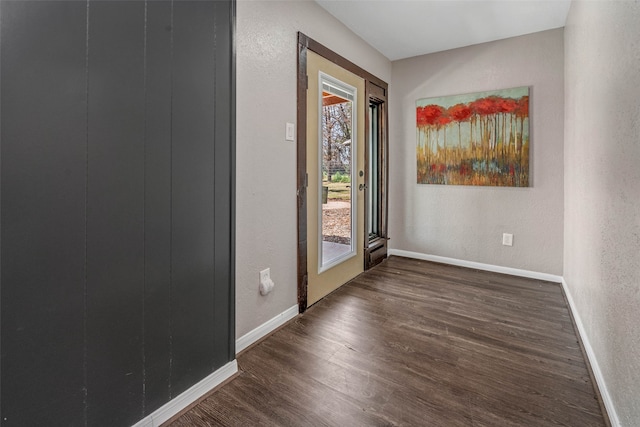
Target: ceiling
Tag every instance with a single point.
(405, 28)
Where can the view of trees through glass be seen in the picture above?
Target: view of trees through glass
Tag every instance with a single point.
(336, 141)
(337, 122)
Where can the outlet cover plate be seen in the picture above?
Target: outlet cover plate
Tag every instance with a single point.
(265, 274)
(290, 131)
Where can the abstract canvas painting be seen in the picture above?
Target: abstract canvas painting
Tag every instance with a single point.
(474, 139)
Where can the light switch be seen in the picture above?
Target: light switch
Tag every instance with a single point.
(290, 133)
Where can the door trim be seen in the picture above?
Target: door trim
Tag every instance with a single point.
(305, 43)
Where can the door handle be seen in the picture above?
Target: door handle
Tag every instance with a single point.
(362, 187)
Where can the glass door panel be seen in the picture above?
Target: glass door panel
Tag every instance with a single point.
(374, 174)
(337, 172)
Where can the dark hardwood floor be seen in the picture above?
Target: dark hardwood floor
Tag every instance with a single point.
(419, 344)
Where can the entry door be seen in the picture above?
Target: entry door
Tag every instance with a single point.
(335, 168)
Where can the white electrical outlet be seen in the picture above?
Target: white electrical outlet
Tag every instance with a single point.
(265, 275)
(266, 284)
(507, 239)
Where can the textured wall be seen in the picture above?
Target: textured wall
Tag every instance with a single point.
(266, 163)
(467, 222)
(602, 189)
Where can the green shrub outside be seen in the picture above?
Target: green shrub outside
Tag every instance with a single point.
(340, 177)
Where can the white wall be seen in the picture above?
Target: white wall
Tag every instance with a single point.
(585, 171)
(467, 222)
(602, 189)
(266, 163)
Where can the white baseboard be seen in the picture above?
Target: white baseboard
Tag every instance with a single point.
(191, 395)
(597, 373)
(266, 328)
(478, 265)
(179, 403)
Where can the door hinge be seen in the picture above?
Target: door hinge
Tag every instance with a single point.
(306, 81)
(306, 180)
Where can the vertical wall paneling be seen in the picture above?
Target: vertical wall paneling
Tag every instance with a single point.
(192, 192)
(157, 211)
(115, 216)
(116, 206)
(42, 146)
(224, 201)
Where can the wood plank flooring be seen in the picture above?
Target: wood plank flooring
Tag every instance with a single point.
(418, 344)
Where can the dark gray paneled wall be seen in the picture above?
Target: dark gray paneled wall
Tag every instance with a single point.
(116, 206)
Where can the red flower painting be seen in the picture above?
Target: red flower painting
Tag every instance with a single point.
(474, 139)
